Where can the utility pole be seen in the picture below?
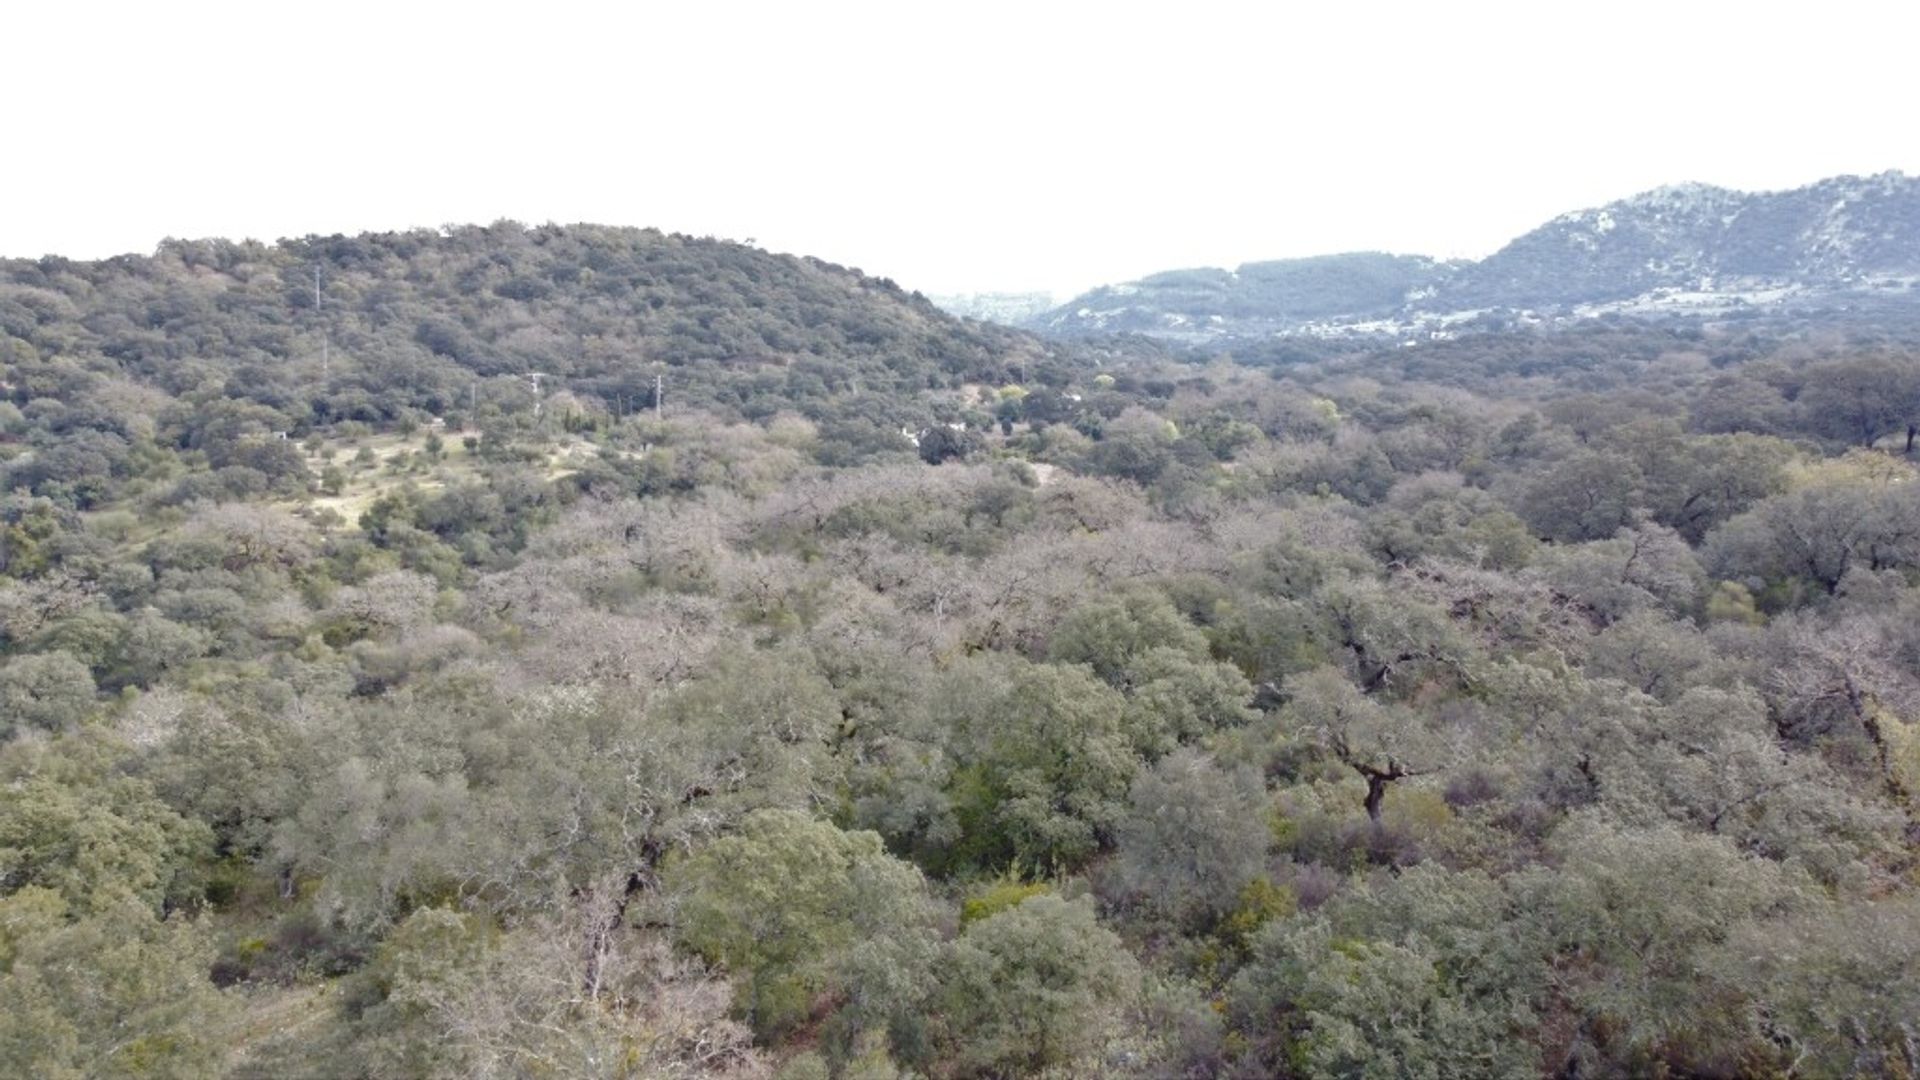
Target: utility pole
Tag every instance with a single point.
(326, 346)
(534, 378)
(659, 389)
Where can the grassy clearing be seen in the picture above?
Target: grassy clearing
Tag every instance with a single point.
(269, 1015)
(374, 465)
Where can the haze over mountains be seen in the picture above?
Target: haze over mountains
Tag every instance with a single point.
(1688, 249)
(1010, 308)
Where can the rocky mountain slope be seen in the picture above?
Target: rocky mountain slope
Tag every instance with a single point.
(1684, 249)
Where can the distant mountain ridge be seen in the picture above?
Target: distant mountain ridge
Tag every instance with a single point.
(1681, 249)
(1010, 308)
(1255, 298)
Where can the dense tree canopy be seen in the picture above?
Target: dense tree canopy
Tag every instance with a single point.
(393, 684)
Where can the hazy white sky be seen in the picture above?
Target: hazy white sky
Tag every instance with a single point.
(950, 146)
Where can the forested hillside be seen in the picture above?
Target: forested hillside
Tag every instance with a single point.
(396, 327)
(1252, 300)
(909, 697)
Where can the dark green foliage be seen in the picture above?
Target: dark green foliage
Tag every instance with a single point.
(1043, 764)
(794, 908)
(48, 691)
(1031, 988)
(941, 443)
(1194, 837)
(111, 992)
